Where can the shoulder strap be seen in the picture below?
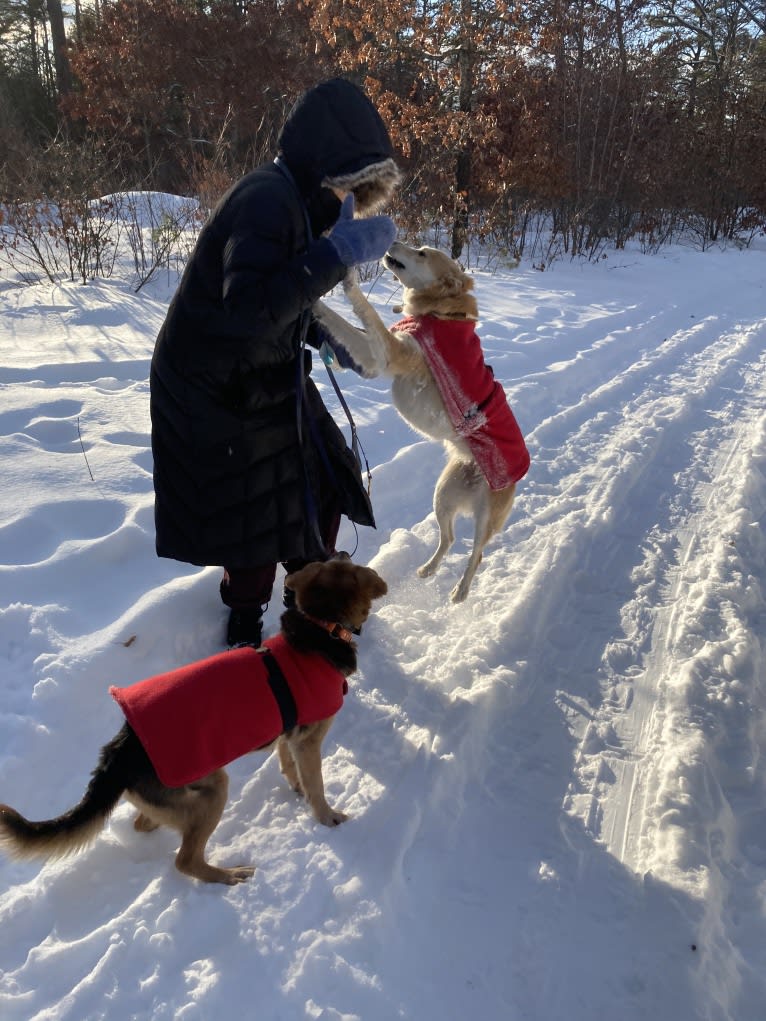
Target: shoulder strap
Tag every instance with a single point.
(280, 689)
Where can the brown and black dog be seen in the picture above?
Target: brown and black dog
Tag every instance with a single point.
(184, 726)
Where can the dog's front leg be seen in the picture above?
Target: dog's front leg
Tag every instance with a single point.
(364, 311)
(366, 354)
(287, 765)
(306, 747)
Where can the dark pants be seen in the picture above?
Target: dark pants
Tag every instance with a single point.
(249, 588)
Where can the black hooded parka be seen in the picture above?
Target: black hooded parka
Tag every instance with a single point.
(242, 466)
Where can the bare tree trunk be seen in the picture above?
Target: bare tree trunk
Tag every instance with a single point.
(33, 48)
(58, 38)
(460, 215)
(463, 163)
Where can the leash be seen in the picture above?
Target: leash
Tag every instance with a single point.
(356, 444)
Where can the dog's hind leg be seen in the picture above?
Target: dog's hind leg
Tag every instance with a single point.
(197, 817)
(446, 522)
(481, 538)
(144, 823)
(449, 496)
(482, 535)
(491, 514)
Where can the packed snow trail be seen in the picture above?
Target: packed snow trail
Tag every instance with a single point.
(652, 473)
(556, 788)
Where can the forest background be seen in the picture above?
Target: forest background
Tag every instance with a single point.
(540, 128)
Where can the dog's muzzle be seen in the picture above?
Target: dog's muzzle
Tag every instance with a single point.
(391, 263)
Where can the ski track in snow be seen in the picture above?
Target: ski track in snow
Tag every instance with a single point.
(584, 722)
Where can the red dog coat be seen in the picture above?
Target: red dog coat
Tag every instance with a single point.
(475, 402)
(198, 717)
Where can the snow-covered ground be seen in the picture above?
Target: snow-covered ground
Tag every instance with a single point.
(557, 787)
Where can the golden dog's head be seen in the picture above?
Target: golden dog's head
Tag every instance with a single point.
(433, 283)
(337, 590)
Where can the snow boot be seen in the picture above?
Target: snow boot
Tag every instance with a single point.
(245, 627)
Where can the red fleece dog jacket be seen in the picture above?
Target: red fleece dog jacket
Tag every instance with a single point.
(199, 717)
(475, 402)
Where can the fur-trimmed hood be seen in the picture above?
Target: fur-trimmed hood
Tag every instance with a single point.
(334, 137)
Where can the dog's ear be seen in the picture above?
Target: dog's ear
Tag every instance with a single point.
(371, 582)
(298, 580)
(452, 284)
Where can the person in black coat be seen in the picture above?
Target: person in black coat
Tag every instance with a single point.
(250, 469)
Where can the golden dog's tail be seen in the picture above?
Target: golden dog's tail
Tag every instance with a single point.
(75, 829)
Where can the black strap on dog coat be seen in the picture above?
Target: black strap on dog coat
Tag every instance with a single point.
(280, 689)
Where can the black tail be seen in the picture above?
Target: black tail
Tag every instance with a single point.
(70, 832)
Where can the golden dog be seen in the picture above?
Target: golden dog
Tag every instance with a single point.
(482, 469)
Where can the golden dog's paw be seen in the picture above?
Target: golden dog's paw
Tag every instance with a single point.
(238, 874)
(331, 817)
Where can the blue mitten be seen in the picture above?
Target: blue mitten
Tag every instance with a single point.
(358, 241)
